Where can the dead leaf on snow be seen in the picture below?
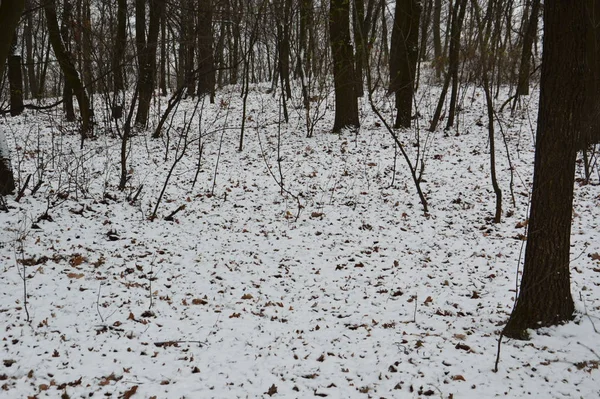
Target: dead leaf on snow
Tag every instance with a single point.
(272, 390)
(130, 392)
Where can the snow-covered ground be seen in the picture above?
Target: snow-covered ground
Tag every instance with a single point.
(361, 295)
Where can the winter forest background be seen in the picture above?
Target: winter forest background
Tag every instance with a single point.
(298, 198)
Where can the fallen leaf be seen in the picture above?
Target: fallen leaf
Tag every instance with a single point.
(458, 377)
(247, 296)
(75, 275)
(130, 392)
(272, 390)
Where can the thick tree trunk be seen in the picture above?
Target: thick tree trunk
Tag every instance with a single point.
(404, 54)
(15, 80)
(68, 67)
(206, 67)
(545, 295)
(346, 104)
(10, 13)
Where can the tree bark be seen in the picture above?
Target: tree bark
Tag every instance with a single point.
(526, 53)
(545, 295)
(15, 79)
(437, 40)
(346, 104)
(147, 54)
(10, 13)
(119, 48)
(404, 54)
(206, 62)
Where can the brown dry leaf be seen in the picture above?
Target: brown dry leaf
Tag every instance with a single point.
(458, 377)
(198, 301)
(316, 215)
(595, 256)
(106, 380)
(43, 387)
(272, 390)
(234, 316)
(131, 316)
(247, 296)
(165, 382)
(522, 224)
(130, 392)
(76, 260)
(75, 275)
(428, 300)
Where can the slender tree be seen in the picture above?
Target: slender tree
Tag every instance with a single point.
(545, 295)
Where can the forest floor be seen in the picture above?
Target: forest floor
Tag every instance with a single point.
(339, 286)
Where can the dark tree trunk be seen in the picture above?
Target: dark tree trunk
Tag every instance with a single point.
(15, 80)
(591, 121)
(426, 20)
(453, 59)
(64, 34)
(187, 46)
(437, 39)
(68, 67)
(346, 104)
(206, 67)
(147, 54)
(545, 295)
(163, 56)
(10, 13)
(119, 48)
(360, 40)
(404, 54)
(526, 53)
(30, 63)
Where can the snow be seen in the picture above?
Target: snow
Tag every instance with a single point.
(362, 296)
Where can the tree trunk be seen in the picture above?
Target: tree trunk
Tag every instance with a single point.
(30, 63)
(526, 54)
(453, 59)
(68, 67)
(119, 48)
(404, 54)
(437, 39)
(147, 54)
(346, 104)
(206, 67)
(15, 80)
(10, 13)
(545, 295)
(67, 89)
